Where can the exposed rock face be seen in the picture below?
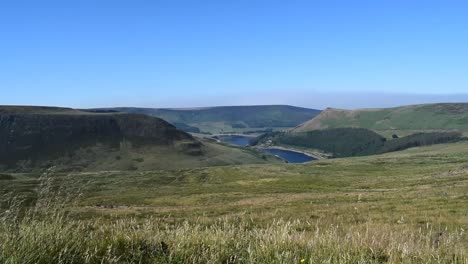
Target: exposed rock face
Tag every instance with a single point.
(39, 133)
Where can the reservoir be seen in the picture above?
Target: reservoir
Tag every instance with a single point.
(290, 156)
(236, 140)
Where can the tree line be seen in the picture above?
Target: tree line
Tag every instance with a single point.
(346, 142)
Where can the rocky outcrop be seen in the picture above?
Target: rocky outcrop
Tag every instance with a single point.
(40, 133)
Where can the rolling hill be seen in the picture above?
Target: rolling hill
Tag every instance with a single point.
(37, 137)
(442, 116)
(229, 118)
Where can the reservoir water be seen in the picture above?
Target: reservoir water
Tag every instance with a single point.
(290, 156)
(236, 140)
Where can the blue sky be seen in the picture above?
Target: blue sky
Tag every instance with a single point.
(196, 53)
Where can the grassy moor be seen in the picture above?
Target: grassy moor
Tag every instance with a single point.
(401, 207)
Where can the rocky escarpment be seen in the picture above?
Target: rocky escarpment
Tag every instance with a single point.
(41, 133)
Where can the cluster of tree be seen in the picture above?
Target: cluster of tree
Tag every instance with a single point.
(420, 139)
(268, 130)
(238, 125)
(346, 142)
(342, 142)
(264, 137)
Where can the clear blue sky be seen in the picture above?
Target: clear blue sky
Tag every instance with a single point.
(90, 53)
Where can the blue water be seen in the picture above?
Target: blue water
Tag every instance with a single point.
(290, 156)
(236, 140)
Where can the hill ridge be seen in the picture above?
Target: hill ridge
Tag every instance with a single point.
(220, 119)
(438, 116)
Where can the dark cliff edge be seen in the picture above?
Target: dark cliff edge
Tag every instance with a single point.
(37, 134)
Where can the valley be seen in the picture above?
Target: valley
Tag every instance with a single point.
(126, 186)
(256, 119)
(234, 132)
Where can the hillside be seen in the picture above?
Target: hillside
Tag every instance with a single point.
(443, 116)
(348, 142)
(35, 137)
(402, 207)
(230, 118)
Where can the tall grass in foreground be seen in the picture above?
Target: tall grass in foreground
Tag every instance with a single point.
(44, 233)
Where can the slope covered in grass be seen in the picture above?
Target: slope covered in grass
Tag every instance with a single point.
(401, 207)
(446, 116)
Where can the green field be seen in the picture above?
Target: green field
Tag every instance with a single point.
(400, 207)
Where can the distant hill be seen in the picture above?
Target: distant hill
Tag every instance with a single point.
(229, 118)
(36, 137)
(443, 116)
